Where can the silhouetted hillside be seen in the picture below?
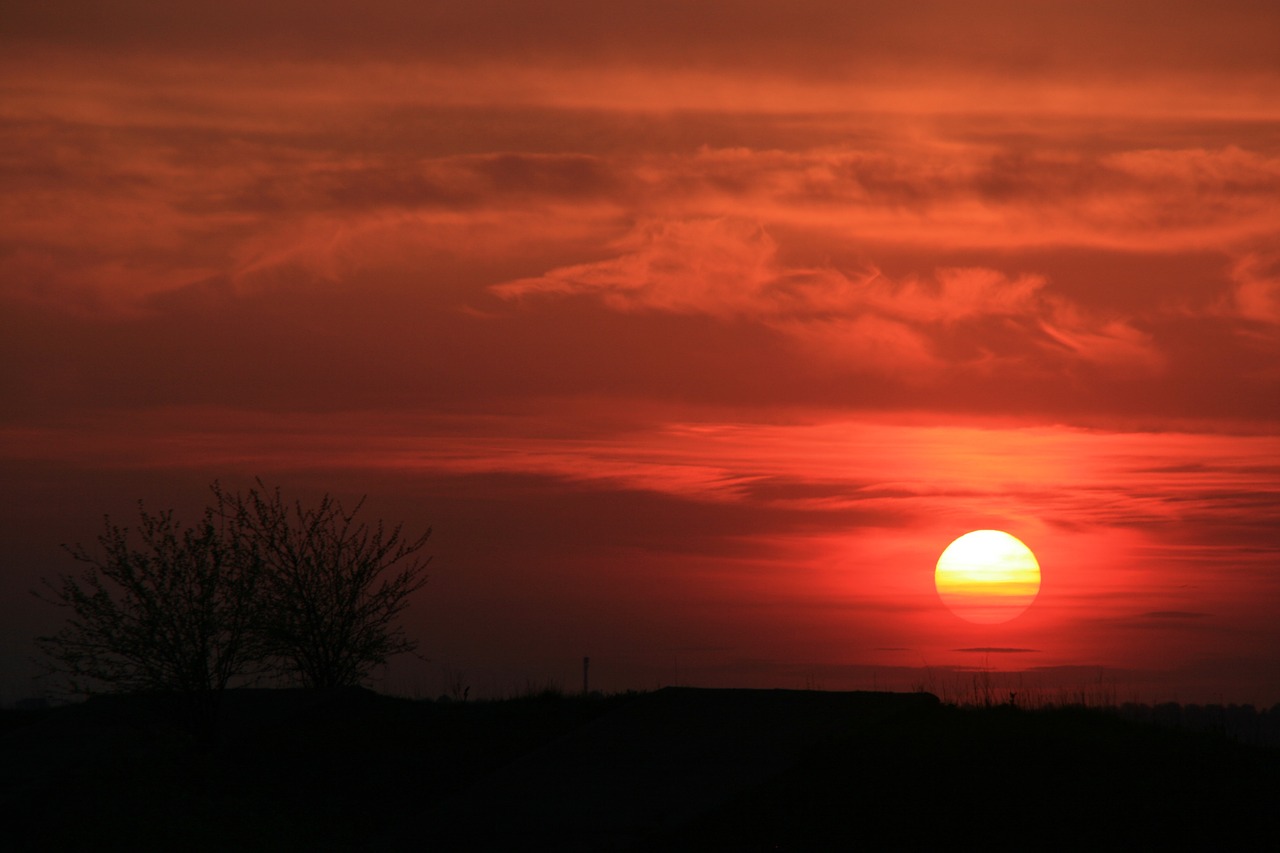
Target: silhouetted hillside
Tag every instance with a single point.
(676, 769)
(1072, 779)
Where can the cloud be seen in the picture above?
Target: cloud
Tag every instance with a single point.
(1257, 290)
(1112, 344)
(142, 175)
(835, 471)
(822, 232)
(1011, 191)
(958, 294)
(721, 267)
(731, 269)
(815, 39)
(864, 343)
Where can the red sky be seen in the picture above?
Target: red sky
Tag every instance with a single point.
(695, 330)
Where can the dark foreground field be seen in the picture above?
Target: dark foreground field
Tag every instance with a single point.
(676, 769)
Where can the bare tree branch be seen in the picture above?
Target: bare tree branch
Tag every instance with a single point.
(257, 586)
(160, 609)
(335, 584)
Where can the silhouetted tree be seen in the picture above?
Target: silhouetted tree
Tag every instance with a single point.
(333, 585)
(160, 609)
(257, 586)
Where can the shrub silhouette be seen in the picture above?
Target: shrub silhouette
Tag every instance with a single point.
(332, 586)
(161, 609)
(257, 586)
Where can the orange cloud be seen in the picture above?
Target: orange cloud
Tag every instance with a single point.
(1257, 293)
(718, 267)
(731, 269)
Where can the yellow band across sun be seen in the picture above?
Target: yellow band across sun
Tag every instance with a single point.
(987, 576)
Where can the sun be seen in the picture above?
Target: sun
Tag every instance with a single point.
(987, 577)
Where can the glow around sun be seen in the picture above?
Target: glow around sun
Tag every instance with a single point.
(987, 577)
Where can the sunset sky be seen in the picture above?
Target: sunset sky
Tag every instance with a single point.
(695, 330)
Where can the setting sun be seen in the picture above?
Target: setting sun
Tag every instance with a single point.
(987, 577)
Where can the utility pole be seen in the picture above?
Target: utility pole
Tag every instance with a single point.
(586, 684)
